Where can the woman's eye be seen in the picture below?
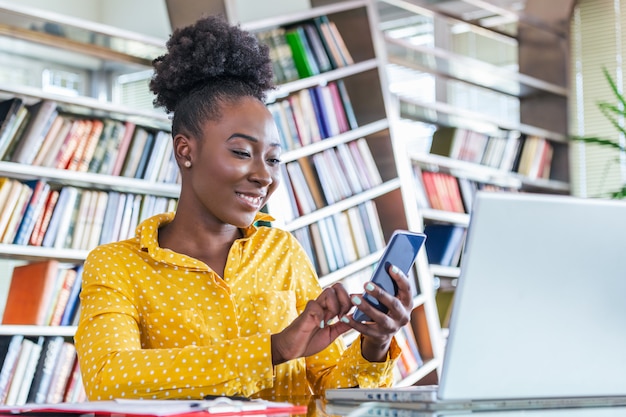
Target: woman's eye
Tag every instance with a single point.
(274, 161)
(242, 153)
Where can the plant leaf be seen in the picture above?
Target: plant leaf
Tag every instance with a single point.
(599, 141)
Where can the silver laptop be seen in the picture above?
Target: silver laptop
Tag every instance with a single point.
(539, 317)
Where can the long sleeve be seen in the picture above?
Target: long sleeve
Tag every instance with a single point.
(113, 333)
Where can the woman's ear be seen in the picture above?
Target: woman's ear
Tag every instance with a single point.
(183, 150)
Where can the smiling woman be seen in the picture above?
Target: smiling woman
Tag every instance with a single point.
(201, 301)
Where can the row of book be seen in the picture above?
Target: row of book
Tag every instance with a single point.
(39, 370)
(511, 151)
(443, 191)
(37, 213)
(43, 293)
(410, 360)
(41, 134)
(313, 114)
(311, 183)
(338, 240)
(308, 48)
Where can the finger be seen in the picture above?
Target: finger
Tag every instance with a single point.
(405, 293)
(345, 305)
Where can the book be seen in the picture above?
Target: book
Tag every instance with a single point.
(304, 200)
(43, 373)
(48, 157)
(29, 292)
(92, 140)
(42, 115)
(338, 107)
(17, 213)
(29, 370)
(122, 149)
(358, 232)
(330, 48)
(42, 222)
(76, 153)
(111, 148)
(327, 181)
(82, 217)
(348, 166)
(320, 111)
(157, 156)
(75, 391)
(41, 190)
(301, 52)
(283, 53)
(67, 211)
(95, 220)
(321, 265)
(106, 137)
(323, 25)
(312, 182)
(79, 130)
(63, 297)
(12, 133)
(346, 56)
(314, 133)
(61, 373)
(9, 110)
(8, 364)
(145, 155)
(443, 242)
(10, 202)
(19, 373)
(317, 47)
(366, 158)
(448, 141)
(16, 131)
(347, 104)
(73, 299)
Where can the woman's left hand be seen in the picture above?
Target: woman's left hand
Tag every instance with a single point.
(378, 333)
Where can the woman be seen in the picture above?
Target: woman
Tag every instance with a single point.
(202, 302)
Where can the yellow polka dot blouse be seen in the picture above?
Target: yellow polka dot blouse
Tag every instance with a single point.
(158, 324)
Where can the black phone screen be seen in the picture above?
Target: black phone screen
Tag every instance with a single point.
(401, 251)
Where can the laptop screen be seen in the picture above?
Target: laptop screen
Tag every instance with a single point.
(540, 308)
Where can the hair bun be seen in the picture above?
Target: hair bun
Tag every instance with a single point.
(207, 51)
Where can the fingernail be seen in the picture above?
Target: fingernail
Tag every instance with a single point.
(370, 286)
(356, 300)
(395, 269)
(322, 324)
(345, 319)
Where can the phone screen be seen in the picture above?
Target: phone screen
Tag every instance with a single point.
(401, 251)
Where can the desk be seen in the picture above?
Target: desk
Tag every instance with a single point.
(323, 409)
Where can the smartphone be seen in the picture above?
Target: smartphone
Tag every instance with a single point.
(401, 251)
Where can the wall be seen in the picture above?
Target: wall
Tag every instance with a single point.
(148, 17)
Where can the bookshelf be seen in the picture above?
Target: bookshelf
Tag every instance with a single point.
(462, 96)
(89, 74)
(350, 222)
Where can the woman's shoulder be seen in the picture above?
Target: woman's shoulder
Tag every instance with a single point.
(114, 250)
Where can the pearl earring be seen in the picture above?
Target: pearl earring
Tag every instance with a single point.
(187, 164)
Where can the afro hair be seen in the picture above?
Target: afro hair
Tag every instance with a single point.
(206, 63)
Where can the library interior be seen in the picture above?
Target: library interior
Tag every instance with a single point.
(408, 115)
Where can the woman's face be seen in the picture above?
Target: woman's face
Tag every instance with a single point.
(235, 164)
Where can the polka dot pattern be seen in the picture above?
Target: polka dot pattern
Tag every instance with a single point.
(158, 324)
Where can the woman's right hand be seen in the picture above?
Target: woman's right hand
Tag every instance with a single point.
(311, 332)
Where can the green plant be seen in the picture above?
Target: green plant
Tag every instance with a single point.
(613, 112)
